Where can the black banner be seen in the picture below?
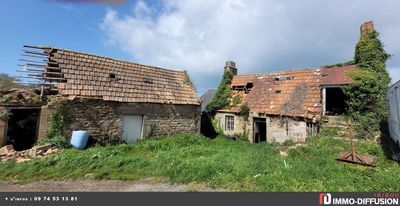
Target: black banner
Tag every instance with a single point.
(195, 198)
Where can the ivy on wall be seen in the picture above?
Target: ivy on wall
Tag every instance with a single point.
(221, 98)
(57, 125)
(366, 94)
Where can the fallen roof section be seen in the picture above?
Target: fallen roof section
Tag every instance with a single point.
(288, 93)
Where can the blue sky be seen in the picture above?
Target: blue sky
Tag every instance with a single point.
(60, 24)
(200, 35)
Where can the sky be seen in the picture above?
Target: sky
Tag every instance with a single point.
(199, 36)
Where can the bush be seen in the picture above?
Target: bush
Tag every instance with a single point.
(5, 114)
(57, 141)
(367, 126)
(288, 143)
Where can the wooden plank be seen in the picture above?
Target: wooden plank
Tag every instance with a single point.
(32, 61)
(35, 52)
(35, 56)
(35, 47)
(47, 78)
(40, 66)
(31, 70)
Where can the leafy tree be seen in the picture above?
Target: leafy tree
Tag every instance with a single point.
(6, 81)
(366, 94)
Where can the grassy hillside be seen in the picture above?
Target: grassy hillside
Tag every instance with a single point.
(233, 165)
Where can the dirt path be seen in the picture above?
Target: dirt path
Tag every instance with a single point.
(145, 185)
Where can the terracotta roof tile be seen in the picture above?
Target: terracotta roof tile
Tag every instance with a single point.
(92, 76)
(289, 93)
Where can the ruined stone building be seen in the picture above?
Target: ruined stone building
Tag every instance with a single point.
(112, 99)
(286, 105)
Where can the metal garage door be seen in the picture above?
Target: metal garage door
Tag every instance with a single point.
(132, 128)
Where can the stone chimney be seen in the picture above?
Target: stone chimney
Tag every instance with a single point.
(230, 67)
(365, 26)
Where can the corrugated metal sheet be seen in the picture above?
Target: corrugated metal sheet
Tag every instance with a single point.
(393, 96)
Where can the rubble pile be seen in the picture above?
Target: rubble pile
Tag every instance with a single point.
(8, 153)
(20, 96)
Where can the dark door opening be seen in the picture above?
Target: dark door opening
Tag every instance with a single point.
(335, 101)
(22, 128)
(259, 130)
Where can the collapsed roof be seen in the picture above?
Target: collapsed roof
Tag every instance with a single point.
(76, 74)
(293, 93)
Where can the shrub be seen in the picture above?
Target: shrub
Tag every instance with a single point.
(57, 141)
(5, 114)
(5, 98)
(367, 125)
(288, 143)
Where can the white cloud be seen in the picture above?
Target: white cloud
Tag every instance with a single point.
(258, 35)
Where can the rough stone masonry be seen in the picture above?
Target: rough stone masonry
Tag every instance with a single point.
(103, 119)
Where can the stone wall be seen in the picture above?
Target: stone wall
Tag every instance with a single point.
(239, 123)
(3, 132)
(279, 129)
(103, 119)
(283, 129)
(44, 117)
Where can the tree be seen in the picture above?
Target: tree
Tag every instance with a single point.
(366, 94)
(6, 81)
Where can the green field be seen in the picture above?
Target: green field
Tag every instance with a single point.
(219, 163)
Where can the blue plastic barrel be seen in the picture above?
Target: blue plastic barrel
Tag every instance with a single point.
(79, 139)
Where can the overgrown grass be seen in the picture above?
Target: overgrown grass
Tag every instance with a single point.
(219, 163)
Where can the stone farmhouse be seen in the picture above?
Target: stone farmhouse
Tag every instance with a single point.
(108, 97)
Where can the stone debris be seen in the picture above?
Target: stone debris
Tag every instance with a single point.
(8, 153)
(283, 153)
(20, 96)
(6, 149)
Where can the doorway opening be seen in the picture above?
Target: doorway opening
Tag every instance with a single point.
(259, 130)
(335, 101)
(22, 128)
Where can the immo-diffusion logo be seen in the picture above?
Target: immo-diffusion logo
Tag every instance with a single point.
(325, 198)
(373, 199)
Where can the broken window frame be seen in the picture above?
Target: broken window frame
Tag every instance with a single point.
(243, 88)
